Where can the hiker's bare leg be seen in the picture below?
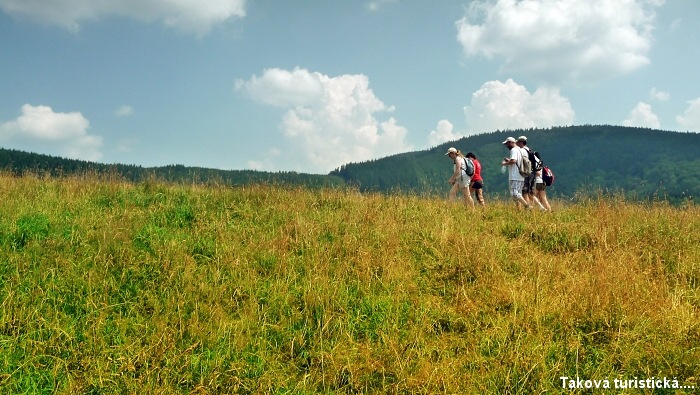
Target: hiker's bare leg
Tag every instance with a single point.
(453, 192)
(468, 201)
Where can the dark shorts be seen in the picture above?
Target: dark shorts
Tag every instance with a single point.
(529, 184)
(540, 186)
(476, 185)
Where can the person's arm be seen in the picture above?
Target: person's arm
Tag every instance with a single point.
(510, 161)
(456, 173)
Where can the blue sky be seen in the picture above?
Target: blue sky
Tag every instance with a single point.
(310, 85)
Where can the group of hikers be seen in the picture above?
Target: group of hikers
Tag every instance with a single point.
(528, 191)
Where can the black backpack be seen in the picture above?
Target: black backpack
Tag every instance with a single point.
(535, 160)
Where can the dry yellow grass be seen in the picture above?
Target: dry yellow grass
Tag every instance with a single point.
(110, 287)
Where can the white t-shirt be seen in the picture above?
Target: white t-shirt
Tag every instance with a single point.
(461, 166)
(538, 177)
(514, 171)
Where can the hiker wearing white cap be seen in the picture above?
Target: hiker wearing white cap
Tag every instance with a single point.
(460, 179)
(529, 183)
(515, 180)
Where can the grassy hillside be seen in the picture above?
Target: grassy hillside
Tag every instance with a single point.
(110, 287)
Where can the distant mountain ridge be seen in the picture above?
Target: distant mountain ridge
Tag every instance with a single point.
(639, 162)
(19, 162)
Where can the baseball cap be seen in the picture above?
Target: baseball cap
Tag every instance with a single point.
(509, 140)
(451, 150)
(522, 138)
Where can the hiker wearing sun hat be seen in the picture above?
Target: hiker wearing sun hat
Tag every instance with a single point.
(460, 178)
(515, 180)
(529, 183)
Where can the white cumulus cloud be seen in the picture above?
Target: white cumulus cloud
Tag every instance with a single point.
(195, 16)
(507, 105)
(282, 88)
(42, 130)
(266, 162)
(565, 40)
(642, 116)
(690, 120)
(656, 94)
(444, 132)
(329, 121)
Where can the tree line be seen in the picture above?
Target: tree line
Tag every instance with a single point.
(640, 163)
(20, 163)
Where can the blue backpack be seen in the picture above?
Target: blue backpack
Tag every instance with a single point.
(468, 166)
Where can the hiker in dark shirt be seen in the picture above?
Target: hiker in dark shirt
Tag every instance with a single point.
(529, 183)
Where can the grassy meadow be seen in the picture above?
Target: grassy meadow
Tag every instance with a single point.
(108, 287)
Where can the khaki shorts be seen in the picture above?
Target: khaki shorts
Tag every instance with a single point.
(463, 182)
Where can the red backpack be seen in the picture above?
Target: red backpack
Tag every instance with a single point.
(547, 176)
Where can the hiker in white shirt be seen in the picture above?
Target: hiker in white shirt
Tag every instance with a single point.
(515, 180)
(459, 180)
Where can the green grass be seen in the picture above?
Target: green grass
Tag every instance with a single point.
(112, 288)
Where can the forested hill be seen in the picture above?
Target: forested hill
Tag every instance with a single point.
(637, 161)
(19, 162)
